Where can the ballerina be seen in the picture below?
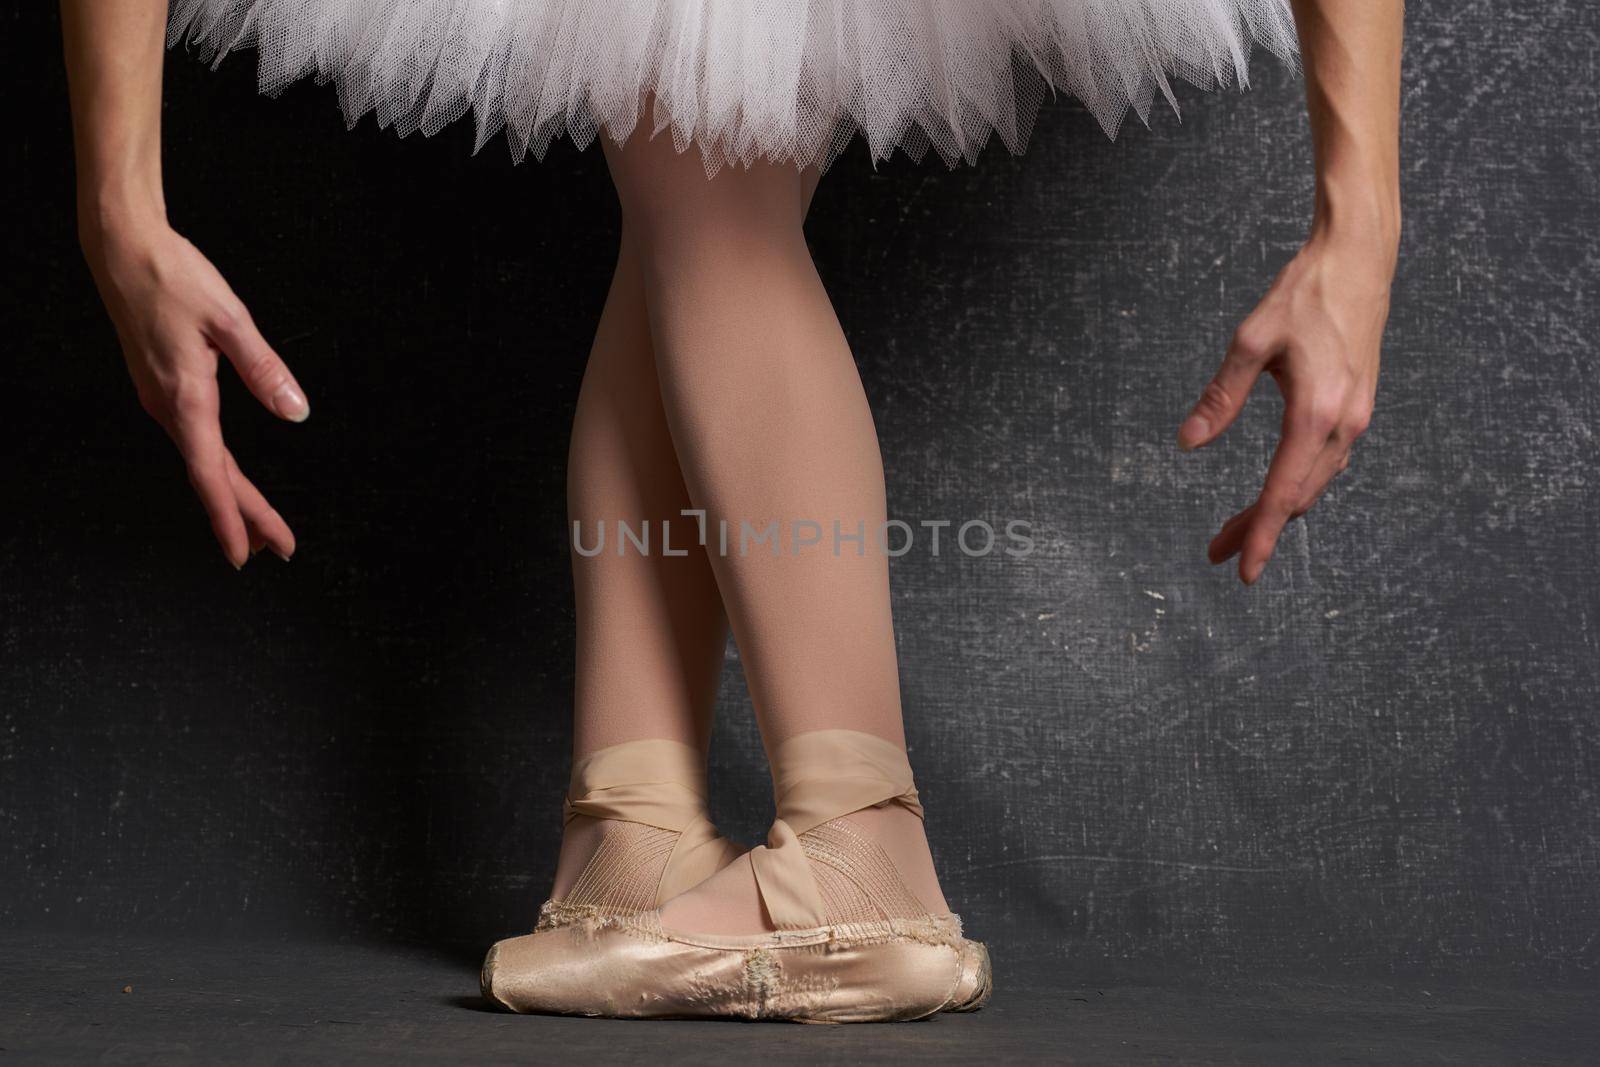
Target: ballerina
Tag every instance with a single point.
(720, 384)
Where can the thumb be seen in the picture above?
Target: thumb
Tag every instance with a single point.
(1221, 400)
(266, 376)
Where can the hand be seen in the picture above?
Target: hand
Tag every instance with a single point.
(173, 314)
(1318, 332)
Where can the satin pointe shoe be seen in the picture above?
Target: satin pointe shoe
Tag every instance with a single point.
(977, 979)
(852, 944)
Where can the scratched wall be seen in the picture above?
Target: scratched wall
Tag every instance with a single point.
(1383, 758)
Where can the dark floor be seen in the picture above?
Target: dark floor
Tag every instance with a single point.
(77, 999)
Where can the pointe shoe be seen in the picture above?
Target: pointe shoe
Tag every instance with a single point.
(657, 841)
(977, 980)
(853, 944)
(849, 969)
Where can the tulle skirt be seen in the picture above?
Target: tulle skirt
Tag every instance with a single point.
(743, 80)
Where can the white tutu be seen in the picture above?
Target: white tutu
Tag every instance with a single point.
(745, 80)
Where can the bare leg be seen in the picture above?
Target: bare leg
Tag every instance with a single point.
(770, 424)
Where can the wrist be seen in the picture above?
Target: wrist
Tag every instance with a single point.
(118, 213)
(1359, 212)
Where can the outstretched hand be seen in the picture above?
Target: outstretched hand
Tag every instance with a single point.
(1317, 332)
(174, 315)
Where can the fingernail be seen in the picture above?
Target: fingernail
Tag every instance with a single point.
(1194, 429)
(280, 555)
(288, 402)
(1253, 573)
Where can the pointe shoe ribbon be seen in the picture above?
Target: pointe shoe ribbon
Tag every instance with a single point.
(658, 783)
(817, 777)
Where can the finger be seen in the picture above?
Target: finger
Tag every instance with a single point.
(267, 528)
(261, 538)
(266, 376)
(1306, 431)
(1224, 396)
(1230, 538)
(194, 426)
(1334, 458)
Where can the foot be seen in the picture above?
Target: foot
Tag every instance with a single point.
(579, 841)
(608, 866)
(662, 964)
(729, 902)
(636, 831)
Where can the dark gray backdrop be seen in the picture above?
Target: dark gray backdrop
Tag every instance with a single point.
(1383, 758)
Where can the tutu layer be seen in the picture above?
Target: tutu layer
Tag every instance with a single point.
(745, 80)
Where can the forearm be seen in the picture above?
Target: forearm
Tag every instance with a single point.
(114, 54)
(1351, 52)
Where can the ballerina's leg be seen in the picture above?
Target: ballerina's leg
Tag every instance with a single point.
(650, 626)
(770, 425)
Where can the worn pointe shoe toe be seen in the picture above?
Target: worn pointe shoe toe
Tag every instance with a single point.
(486, 976)
(976, 981)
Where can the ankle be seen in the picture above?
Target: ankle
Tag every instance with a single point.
(580, 839)
(902, 837)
